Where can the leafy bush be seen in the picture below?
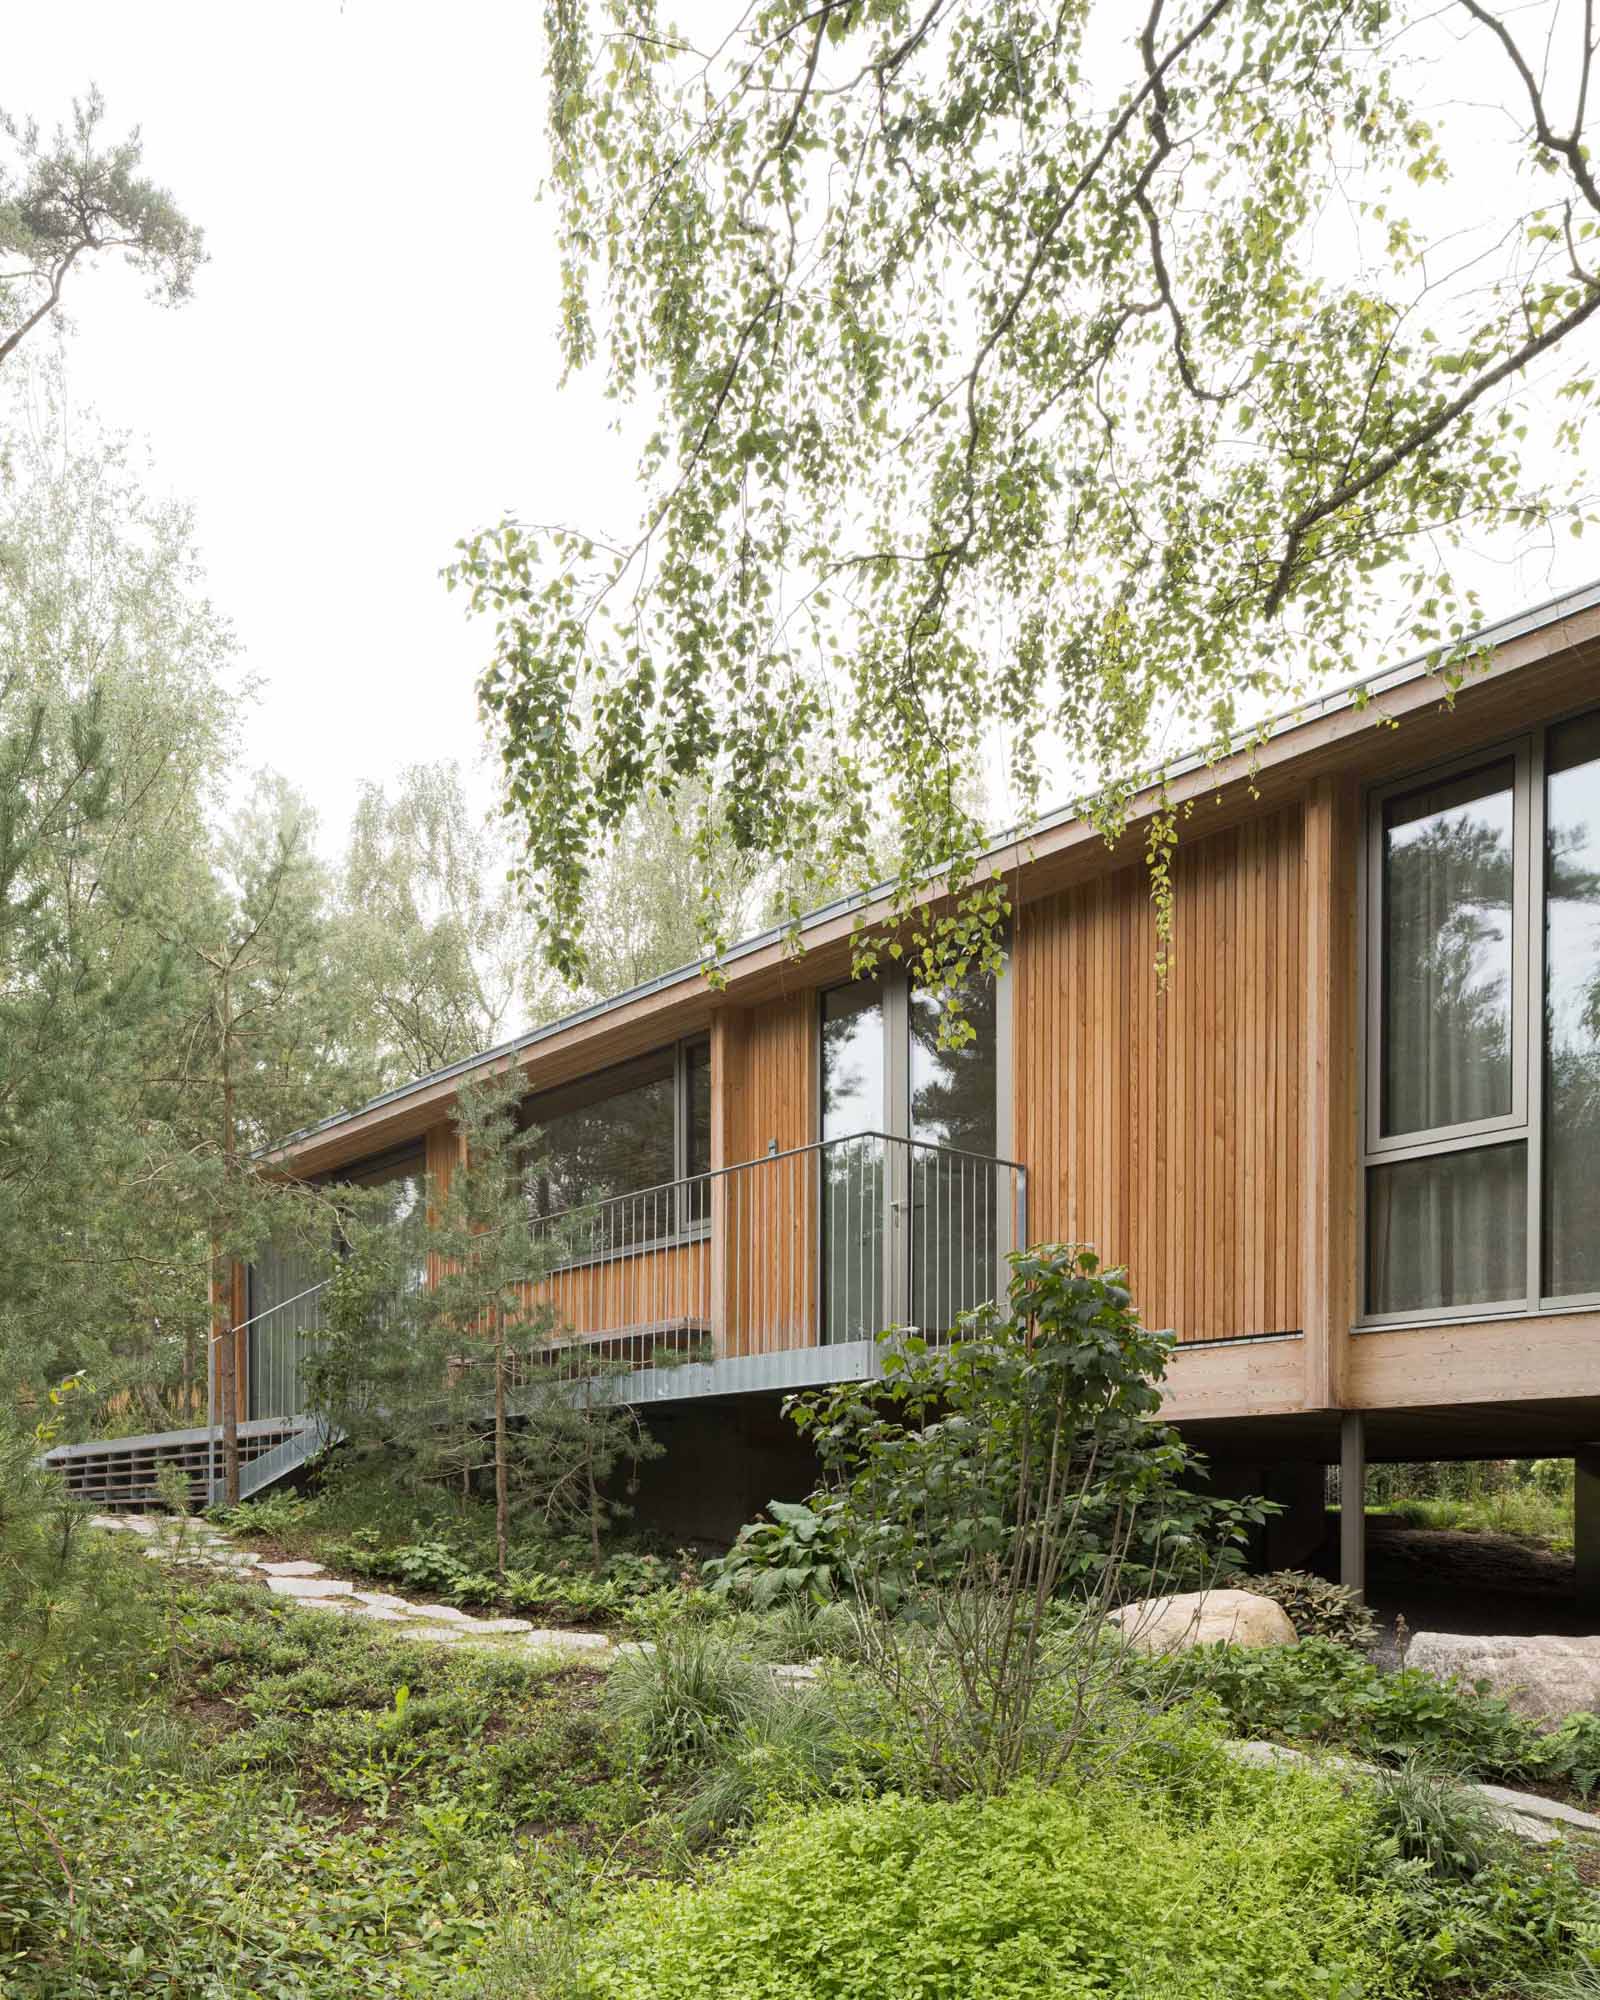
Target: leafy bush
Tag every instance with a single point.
(1032, 1893)
(1316, 1608)
(980, 1482)
(794, 1554)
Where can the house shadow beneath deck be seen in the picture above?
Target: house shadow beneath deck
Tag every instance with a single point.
(1447, 1580)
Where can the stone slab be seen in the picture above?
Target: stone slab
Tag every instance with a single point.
(569, 1642)
(1546, 1677)
(306, 1588)
(294, 1569)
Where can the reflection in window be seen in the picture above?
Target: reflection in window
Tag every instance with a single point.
(954, 1104)
(1572, 1011)
(616, 1135)
(1450, 1230)
(1447, 952)
(853, 1164)
(852, 1061)
(954, 1091)
(697, 1128)
(285, 1304)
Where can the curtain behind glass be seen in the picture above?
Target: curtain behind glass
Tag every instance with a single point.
(1572, 1010)
(1451, 1230)
(1447, 952)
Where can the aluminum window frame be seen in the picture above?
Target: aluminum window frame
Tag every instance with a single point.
(1528, 750)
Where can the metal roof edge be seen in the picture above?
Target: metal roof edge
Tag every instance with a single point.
(1330, 701)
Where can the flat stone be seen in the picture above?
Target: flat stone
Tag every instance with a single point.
(378, 1612)
(791, 1675)
(498, 1625)
(1546, 1678)
(382, 1600)
(435, 1632)
(1532, 1806)
(339, 1605)
(570, 1642)
(637, 1649)
(308, 1588)
(1203, 1618)
(452, 1613)
(294, 1569)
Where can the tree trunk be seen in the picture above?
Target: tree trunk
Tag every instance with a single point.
(502, 1470)
(228, 1374)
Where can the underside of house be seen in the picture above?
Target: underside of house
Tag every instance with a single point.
(1348, 1147)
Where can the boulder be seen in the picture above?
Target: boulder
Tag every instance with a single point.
(1204, 1618)
(1545, 1678)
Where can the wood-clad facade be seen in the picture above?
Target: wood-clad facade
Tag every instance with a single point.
(1160, 1119)
(1207, 1130)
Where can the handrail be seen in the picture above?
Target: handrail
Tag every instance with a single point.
(589, 1208)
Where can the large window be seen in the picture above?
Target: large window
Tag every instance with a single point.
(636, 1139)
(1483, 1078)
(910, 1219)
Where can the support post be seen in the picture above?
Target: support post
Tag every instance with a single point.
(1353, 1501)
(1328, 1087)
(1586, 1530)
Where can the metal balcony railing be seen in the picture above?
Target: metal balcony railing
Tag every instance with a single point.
(824, 1244)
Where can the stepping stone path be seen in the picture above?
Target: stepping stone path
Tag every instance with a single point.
(197, 1545)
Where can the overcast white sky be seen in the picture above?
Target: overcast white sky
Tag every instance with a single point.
(368, 368)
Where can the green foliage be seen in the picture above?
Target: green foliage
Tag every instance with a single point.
(73, 201)
(1316, 1608)
(982, 1483)
(1030, 1448)
(298, 1806)
(1067, 1893)
(66, 1609)
(681, 1694)
(794, 1554)
(1319, 1692)
(942, 340)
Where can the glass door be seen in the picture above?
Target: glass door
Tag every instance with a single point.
(854, 1202)
(911, 1232)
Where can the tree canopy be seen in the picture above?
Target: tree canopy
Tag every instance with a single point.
(68, 200)
(1065, 376)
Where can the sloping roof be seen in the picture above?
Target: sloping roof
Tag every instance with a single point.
(1349, 698)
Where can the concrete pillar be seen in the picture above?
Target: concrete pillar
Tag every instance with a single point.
(1353, 1501)
(1586, 1530)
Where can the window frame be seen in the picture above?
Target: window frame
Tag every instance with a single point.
(1524, 1125)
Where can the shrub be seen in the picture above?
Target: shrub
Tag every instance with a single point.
(1316, 1608)
(980, 1481)
(794, 1554)
(1032, 1893)
(679, 1697)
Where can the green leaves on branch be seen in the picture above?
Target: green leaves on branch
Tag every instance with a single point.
(1027, 379)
